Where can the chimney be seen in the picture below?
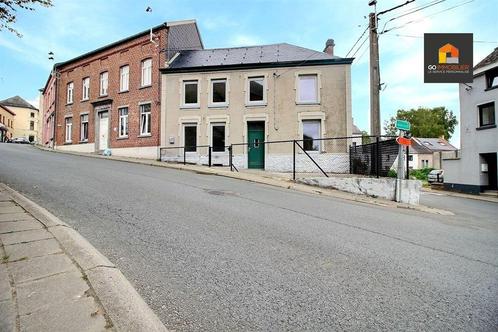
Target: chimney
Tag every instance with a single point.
(329, 47)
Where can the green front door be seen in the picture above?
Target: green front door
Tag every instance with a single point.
(256, 149)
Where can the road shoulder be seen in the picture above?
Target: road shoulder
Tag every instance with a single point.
(51, 278)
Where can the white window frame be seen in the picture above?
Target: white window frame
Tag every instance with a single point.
(124, 118)
(124, 78)
(248, 90)
(216, 124)
(146, 67)
(147, 119)
(211, 92)
(191, 105)
(196, 126)
(104, 83)
(85, 89)
(298, 90)
(83, 139)
(70, 93)
(320, 134)
(69, 129)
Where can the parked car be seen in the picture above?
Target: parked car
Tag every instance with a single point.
(436, 176)
(20, 140)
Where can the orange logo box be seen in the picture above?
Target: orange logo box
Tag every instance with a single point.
(450, 50)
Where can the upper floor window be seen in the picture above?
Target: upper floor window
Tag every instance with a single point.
(147, 72)
(191, 93)
(487, 115)
(257, 95)
(492, 78)
(104, 83)
(31, 125)
(70, 88)
(32, 114)
(124, 78)
(219, 92)
(86, 88)
(307, 89)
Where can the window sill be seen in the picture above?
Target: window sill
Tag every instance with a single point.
(103, 96)
(256, 104)
(68, 143)
(302, 103)
(69, 104)
(124, 91)
(486, 127)
(83, 100)
(122, 137)
(218, 106)
(144, 135)
(188, 107)
(83, 142)
(145, 87)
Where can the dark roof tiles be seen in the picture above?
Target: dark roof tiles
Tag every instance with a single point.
(490, 59)
(17, 101)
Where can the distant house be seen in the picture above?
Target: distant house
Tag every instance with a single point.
(217, 97)
(27, 118)
(6, 123)
(428, 152)
(475, 170)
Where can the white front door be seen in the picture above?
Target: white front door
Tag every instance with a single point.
(103, 130)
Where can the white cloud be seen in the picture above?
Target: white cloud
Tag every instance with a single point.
(245, 40)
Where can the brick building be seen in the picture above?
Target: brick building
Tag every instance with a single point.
(110, 97)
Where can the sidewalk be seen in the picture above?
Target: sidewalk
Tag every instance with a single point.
(52, 279)
(263, 177)
(462, 195)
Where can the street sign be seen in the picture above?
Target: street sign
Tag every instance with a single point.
(403, 125)
(404, 141)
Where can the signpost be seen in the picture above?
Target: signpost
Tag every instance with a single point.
(403, 126)
(404, 141)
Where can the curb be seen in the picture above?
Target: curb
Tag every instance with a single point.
(123, 305)
(461, 195)
(271, 181)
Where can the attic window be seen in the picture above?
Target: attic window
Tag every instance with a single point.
(492, 78)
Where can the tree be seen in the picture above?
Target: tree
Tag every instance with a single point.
(8, 11)
(425, 122)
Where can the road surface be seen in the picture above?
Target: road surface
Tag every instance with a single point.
(218, 254)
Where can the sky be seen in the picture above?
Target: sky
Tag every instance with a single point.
(71, 28)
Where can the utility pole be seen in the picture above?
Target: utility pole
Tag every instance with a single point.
(374, 76)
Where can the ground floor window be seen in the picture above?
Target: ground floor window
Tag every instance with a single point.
(69, 129)
(311, 134)
(145, 123)
(218, 137)
(123, 122)
(31, 138)
(84, 128)
(190, 137)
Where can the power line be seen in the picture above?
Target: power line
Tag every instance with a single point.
(359, 47)
(413, 10)
(396, 7)
(410, 36)
(422, 19)
(363, 53)
(361, 36)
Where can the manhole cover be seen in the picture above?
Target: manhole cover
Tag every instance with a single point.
(220, 192)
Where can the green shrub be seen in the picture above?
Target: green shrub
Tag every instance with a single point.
(392, 173)
(420, 174)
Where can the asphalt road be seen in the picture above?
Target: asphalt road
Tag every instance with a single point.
(216, 254)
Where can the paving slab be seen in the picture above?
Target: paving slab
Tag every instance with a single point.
(7, 204)
(17, 226)
(11, 209)
(7, 316)
(4, 197)
(32, 249)
(70, 307)
(40, 267)
(15, 216)
(25, 236)
(5, 291)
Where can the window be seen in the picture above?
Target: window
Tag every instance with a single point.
(84, 128)
(70, 88)
(219, 91)
(311, 132)
(218, 137)
(190, 137)
(31, 125)
(32, 114)
(191, 93)
(124, 78)
(123, 122)
(256, 90)
(69, 129)
(492, 78)
(487, 115)
(145, 124)
(104, 82)
(307, 89)
(147, 72)
(86, 88)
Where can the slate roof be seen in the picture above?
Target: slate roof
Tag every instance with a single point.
(491, 58)
(430, 145)
(17, 101)
(356, 130)
(274, 54)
